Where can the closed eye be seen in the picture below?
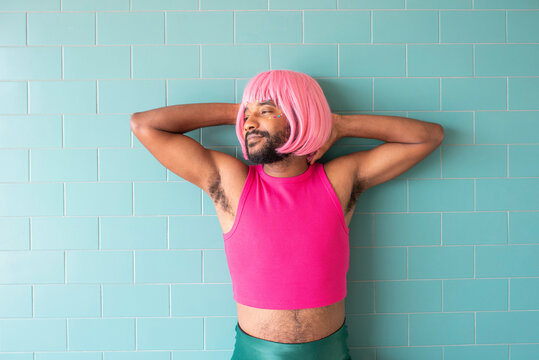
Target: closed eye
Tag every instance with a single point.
(245, 119)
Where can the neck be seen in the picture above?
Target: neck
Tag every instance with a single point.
(291, 166)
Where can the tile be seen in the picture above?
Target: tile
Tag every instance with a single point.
(170, 334)
(406, 94)
(13, 97)
(523, 26)
(268, 27)
(314, 60)
(472, 26)
(440, 262)
(191, 27)
(475, 295)
(61, 28)
(225, 61)
(129, 96)
(507, 60)
(507, 194)
(33, 335)
(12, 29)
(405, 26)
(340, 26)
(135, 300)
(474, 228)
(441, 329)
(97, 62)
(56, 97)
(523, 94)
(474, 94)
(372, 60)
(67, 300)
(169, 61)
(123, 28)
(101, 334)
(440, 60)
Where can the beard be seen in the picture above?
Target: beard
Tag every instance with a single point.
(267, 154)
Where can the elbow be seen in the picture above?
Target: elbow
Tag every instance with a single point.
(135, 119)
(435, 134)
(441, 133)
(438, 134)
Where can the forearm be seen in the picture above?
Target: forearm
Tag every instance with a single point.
(389, 128)
(186, 117)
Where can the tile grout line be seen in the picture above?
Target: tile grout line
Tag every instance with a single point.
(406, 62)
(372, 25)
(134, 274)
(98, 178)
(507, 159)
(474, 258)
(474, 191)
(99, 232)
(165, 25)
(269, 55)
(507, 93)
(441, 229)
(338, 60)
(509, 294)
(28, 97)
(131, 60)
(475, 327)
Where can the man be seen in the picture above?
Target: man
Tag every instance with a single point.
(285, 219)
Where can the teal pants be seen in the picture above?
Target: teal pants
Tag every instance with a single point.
(332, 347)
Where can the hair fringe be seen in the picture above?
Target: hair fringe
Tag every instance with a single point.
(302, 101)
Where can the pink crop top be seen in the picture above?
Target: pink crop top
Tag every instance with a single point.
(288, 247)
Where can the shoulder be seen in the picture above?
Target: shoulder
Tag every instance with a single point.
(342, 169)
(342, 173)
(231, 172)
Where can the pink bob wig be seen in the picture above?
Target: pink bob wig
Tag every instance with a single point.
(303, 103)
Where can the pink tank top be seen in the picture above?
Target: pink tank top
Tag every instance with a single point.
(288, 247)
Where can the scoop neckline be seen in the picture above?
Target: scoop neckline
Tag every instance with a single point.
(300, 177)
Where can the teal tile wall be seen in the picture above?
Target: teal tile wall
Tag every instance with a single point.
(107, 255)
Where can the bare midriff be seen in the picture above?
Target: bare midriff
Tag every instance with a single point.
(291, 326)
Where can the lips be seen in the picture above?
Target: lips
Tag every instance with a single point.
(251, 137)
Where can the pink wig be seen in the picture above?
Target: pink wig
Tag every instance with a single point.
(303, 103)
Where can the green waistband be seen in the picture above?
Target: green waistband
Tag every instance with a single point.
(332, 347)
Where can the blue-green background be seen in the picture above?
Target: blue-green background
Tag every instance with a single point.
(107, 255)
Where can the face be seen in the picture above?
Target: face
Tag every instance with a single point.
(269, 123)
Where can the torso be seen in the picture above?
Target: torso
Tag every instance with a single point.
(286, 326)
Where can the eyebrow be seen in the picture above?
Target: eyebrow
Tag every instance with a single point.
(259, 104)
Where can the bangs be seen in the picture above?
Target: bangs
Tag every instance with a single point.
(302, 101)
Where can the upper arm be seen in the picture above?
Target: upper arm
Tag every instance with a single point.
(389, 160)
(180, 154)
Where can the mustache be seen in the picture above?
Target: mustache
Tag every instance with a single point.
(265, 134)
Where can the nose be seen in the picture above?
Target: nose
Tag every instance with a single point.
(250, 124)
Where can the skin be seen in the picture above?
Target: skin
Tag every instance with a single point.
(274, 132)
(222, 176)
